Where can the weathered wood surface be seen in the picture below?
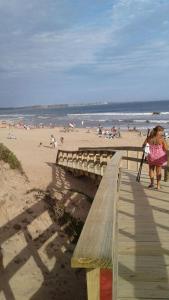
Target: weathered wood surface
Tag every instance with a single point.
(143, 240)
(98, 238)
(93, 284)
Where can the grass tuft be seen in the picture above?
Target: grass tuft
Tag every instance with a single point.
(9, 157)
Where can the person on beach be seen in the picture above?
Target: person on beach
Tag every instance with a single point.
(99, 130)
(53, 141)
(157, 154)
(61, 139)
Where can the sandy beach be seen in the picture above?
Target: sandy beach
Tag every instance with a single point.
(36, 249)
(36, 160)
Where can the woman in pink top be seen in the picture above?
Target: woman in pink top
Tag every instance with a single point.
(157, 157)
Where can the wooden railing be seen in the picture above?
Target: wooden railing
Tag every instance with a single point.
(132, 156)
(96, 250)
(97, 246)
(85, 161)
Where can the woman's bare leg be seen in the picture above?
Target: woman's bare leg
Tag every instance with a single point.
(158, 172)
(151, 174)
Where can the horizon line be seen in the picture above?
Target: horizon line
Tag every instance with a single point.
(60, 105)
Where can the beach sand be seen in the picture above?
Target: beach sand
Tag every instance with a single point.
(35, 248)
(36, 161)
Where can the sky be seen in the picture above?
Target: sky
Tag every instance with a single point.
(74, 51)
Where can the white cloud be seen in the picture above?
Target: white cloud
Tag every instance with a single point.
(152, 55)
(53, 51)
(137, 26)
(123, 44)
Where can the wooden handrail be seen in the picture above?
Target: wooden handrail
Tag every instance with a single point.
(97, 246)
(99, 223)
(114, 148)
(121, 148)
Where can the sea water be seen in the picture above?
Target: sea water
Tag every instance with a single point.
(139, 115)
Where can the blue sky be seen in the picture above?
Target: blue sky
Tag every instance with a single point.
(74, 51)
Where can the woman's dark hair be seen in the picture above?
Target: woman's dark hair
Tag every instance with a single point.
(153, 134)
(154, 131)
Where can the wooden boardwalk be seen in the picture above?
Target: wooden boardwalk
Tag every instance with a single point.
(127, 229)
(143, 239)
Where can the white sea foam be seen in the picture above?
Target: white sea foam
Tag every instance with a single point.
(15, 115)
(158, 121)
(43, 117)
(112, 114)
(164, 113)
(140, 121)
(151, 121)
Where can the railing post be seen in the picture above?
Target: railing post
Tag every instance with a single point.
(99, 284)
(84, 161)
(70, 160)
(65, 159)
(90, 165)
(127, 160)
(137, 160)
(74, 160)
(103, 162)
(97, 163)
(79, 160)
(93, 284)
(166, 171)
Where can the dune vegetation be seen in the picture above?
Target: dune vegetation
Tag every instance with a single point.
(9, 157)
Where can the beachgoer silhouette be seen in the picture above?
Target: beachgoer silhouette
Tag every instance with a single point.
(157, 156)
(53, 141)
(61, 139)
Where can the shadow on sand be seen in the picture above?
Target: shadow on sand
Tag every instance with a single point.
(52, 246)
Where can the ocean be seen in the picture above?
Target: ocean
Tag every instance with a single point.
(141, 115)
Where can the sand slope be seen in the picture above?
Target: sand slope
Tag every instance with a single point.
(36, 249)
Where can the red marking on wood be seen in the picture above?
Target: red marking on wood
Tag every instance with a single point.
(106, 280)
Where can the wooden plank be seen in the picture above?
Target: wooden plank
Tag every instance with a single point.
(130, 221)
(143, 289)
(93, 284)
(143, 262)
(131, 298)
(160, 232)
(154, 204)
(153, 215)
(143, 245)
(144, 248)
(166, 171)
(144, 268)
(143, 237)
